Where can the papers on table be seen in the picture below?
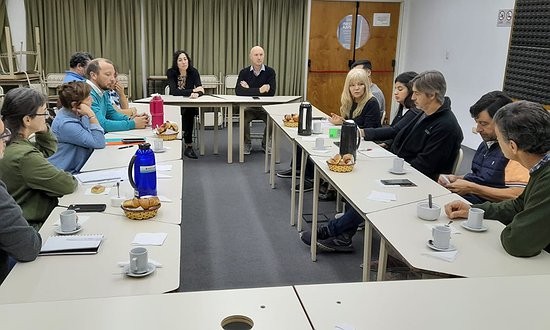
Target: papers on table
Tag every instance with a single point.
(382, 196)
(449, 256)
(149, 239)
(72, 244)
(376, 153)
(164, 199)
(164, 167)
(103, 176)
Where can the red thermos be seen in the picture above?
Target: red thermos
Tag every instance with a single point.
(156, 107)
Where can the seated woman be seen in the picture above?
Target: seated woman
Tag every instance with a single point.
(402, 92)
(185, 80)
(76, 127)
(31, 180)
(18, 240)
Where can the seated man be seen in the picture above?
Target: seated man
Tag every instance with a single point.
(523, 132)
(487, 181)
(101, 76)
(78, 64)
(255, 80)
(430, 143)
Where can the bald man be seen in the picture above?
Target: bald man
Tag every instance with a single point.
(255, 80)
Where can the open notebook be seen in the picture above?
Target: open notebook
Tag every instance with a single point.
(71, 244)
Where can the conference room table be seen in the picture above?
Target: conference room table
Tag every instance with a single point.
(480, 254)
(357, 187)
(268, 308)
(504, 303)
(114, 156)
(220, 101)
(69, 277)
(169, 190)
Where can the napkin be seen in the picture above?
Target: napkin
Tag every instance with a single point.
(447, 256)
(149, 239)
(381, 196)
(163, 176)
(164, 199)
(81, 220)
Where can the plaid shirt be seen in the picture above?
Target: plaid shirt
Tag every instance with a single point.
(541, 162)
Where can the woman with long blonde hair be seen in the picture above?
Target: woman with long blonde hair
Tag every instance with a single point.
(357, 102)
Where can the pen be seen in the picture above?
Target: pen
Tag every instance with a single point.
(125, 147)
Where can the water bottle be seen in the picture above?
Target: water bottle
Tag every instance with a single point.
(304, 122)
(156, 107)
(143, 178)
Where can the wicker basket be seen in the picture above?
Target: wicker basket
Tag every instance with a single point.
(140, 214)
(340, 168)
(290, 123)
(168, 137)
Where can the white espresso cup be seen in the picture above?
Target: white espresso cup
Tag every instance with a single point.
(441, 236)
(317, 127)
(158, 144)
(475, 218)
(139, 260)
(319, 143)
(68, 220)
(398, 164)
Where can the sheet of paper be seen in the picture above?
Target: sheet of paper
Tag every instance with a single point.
(149, 239)
(376, 153)
(382, 196)
(163, 176)
(344, 327)
(164, 199)
(164, 167)
(447, 256)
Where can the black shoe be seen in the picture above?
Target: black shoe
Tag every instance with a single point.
(189, 152)
(308, 186)
(287, 174)
(330, 195)
(322, 234)
(340, 243)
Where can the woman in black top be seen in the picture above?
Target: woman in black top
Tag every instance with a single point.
(185, 80)
(402, 93)
(357, 102)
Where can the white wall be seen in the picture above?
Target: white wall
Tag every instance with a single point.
(460, 39)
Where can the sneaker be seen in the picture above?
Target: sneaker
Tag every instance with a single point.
(361, 226)
(308, 186)
(287, 174)
(328, 196)
(190, 153)
(247, 149)
(340, 243)
(322, 234)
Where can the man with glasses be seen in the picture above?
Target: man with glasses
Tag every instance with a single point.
(18, 240)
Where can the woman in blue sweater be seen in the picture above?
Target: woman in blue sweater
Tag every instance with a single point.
(76, 127)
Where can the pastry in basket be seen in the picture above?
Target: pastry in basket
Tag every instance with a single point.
(131, 203)
(347, 159)
(335, 160)
(338, 159)
(145, 202)
(292, 118)
(167, 128)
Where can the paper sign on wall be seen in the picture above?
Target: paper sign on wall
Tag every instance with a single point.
(381, 19)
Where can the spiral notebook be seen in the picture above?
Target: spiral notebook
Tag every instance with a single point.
(71, 244)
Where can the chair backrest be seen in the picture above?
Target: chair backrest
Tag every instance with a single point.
(167, 90)
(54, 80)
(125, 81)
(458, 161)
(210, 81)
(230, 82)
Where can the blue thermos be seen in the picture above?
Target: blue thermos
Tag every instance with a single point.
(144, 178)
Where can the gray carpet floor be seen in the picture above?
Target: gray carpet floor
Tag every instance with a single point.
(236, 231)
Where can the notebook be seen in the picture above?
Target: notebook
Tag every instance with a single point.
(71, 244)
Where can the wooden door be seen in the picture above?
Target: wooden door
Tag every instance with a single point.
(329, 60)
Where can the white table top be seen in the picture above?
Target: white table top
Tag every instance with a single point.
(483, 303)
(479, 253)
(185, 101)
(259, 99)
(171, 188)
(366, 175)
(65, 277)
(113, 157)
(269, 308)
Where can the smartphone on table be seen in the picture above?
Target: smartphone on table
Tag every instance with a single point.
(87, 207)
(398, 182)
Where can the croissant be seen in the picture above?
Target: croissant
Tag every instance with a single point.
(147, 203)
(347, 159)
(131, 203)
(295, 117)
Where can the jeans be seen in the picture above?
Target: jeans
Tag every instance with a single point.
(347, 223)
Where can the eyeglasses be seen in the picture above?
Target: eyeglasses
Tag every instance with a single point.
(6, 135)
(47, 114)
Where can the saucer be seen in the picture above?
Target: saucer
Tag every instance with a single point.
(483, 227)
(150, 269)
(397, 172)
(159, 150)
(433, 247)
(60, 232)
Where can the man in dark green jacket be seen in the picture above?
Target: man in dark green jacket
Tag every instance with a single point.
(523, 133)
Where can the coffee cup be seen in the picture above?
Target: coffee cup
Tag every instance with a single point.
(398, 164)
(317, 127)
(158, 144)
(475, 218)
(139, 260)
(319, 143)
(68, 220)
(423, 211)
(441, 237)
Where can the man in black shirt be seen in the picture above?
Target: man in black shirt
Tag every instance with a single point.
(255, 80)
